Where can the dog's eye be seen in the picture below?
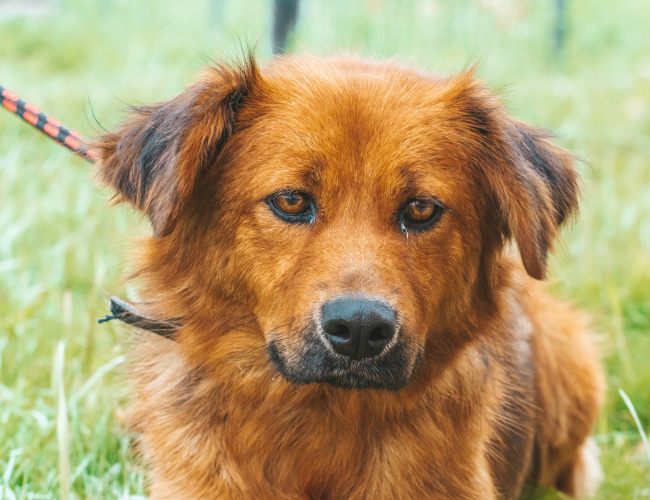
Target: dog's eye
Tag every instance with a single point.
(420, 210)
(420, 214)
(292, 204)
(292, 207)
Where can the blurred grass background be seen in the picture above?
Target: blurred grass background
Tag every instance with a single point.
(62, 253)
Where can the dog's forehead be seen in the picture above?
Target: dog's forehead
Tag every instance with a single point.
(353, 109)
(349, 123)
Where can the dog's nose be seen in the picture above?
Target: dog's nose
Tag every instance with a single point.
(358, 328)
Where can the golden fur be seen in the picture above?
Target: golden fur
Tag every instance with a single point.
(494, 385)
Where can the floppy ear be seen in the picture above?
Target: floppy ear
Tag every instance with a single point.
(540, 193)
(155, 158)
(532, 185)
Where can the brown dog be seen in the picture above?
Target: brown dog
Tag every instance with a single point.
(332, 237)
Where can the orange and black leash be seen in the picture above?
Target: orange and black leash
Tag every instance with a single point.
(73, 140)
(51, 127)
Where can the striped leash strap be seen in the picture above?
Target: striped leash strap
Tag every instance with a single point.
(73, 140)
(51, 127)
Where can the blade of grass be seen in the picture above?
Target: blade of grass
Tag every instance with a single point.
(74, 399)
(630, 406)
(6, 492)
(62, 432)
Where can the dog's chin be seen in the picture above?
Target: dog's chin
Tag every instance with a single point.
(390, 371)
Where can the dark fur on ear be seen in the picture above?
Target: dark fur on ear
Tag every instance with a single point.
(533, 185)
(155, 158)
(544, 192)
(552, 183)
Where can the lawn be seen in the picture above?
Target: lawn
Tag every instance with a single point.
(63, 252)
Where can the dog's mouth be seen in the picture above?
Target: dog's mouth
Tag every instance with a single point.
(313, 362)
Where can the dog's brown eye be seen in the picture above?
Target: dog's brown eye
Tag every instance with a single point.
(292, 203)
(420, 211)
(294, 207)
(419, 215)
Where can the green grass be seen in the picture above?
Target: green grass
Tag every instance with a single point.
(62, 253)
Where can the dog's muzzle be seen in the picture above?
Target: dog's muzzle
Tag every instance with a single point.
(359, 345)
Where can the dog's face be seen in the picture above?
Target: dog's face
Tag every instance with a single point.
(356, 210)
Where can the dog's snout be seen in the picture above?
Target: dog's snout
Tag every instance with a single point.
(358, 328)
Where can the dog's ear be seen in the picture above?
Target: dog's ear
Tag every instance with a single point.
(532, 183)
(540, 193)
(154, 159)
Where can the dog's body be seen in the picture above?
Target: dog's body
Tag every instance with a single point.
(330, 234)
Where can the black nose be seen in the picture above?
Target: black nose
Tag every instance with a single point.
(358, 328)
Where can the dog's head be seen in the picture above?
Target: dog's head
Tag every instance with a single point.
(356, 211)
